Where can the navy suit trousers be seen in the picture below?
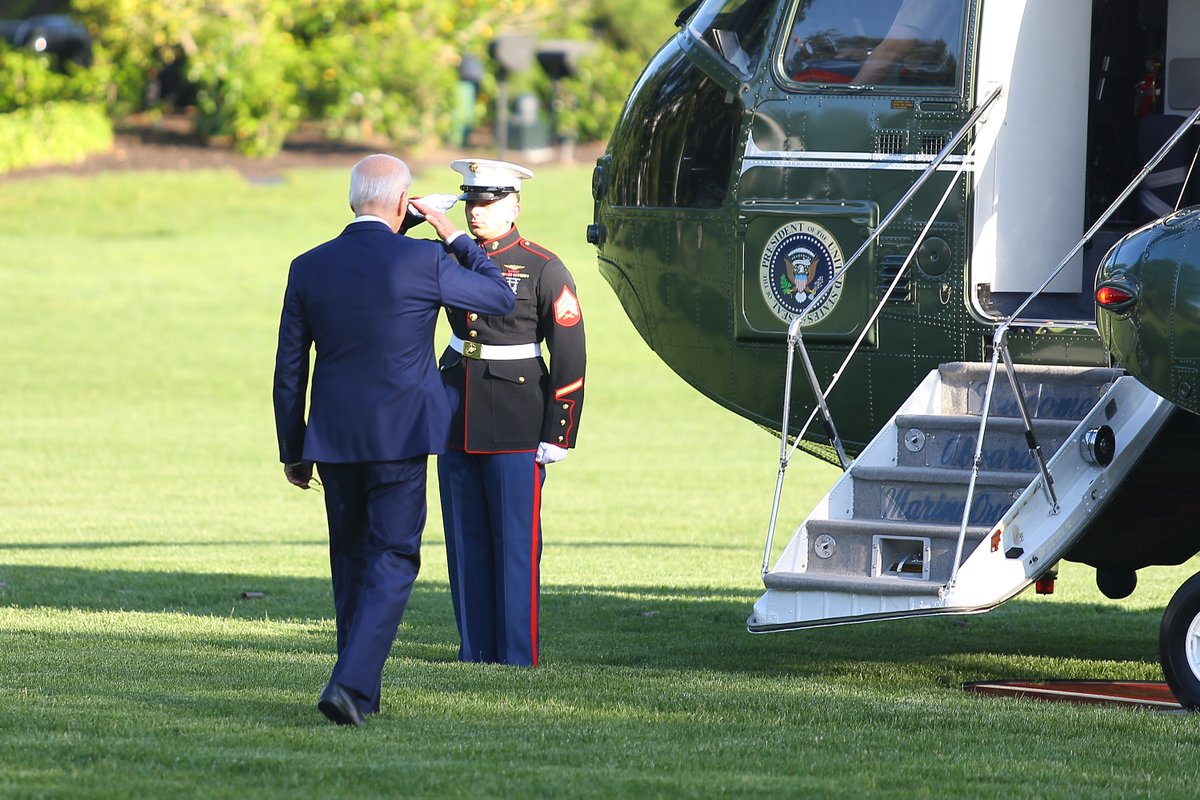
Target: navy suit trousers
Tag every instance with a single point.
(376, 513)
(491, 511)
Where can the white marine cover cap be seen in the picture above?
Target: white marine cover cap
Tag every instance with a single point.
(485, 179)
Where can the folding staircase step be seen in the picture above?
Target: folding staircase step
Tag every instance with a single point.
(1050, 392)
(928, 495)
(867, 587)
(885, 548)
(948, 442)
(890, 527)
(941, 477)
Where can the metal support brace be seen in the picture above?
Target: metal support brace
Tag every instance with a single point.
(1030, 437)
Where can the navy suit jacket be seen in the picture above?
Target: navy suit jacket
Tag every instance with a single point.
(369, 301)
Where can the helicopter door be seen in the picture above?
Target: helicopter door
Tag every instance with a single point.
(1032, 148)
(864, 95)
(1183, 58)
(1181, 81)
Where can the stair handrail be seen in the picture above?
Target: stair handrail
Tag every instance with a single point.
(837, 374)
(1000, 349)
(795, 339)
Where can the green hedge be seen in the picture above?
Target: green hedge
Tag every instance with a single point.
(360, 68)
(54, 133)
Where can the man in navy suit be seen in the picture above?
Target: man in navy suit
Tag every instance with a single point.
(369, 300)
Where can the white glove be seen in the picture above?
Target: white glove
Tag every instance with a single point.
(549, 453)
(438, 202)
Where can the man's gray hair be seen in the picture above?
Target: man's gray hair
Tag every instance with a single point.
(378, 181)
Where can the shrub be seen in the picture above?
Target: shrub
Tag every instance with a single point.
(53, 133)
(29, 79)
(259, 67)
(48, 117)
(245, 81)
(136, 41)
(627, 33)
(360, 68)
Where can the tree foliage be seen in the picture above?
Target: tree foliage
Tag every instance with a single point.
(256, 69)
(30, 79)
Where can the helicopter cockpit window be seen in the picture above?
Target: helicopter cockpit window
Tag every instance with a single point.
(875, 43)
(735, 29)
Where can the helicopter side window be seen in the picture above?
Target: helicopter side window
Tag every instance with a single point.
(875, 43)
(735, 29)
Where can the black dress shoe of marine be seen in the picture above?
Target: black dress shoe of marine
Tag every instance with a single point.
(337, 704)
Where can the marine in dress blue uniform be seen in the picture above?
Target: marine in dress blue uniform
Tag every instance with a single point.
(513, 417)
(368, 300)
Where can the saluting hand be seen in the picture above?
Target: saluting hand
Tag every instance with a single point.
(443, 226)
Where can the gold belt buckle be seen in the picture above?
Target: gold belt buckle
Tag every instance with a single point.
(472, 350)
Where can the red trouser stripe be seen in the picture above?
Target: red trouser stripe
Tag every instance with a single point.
(533, 558)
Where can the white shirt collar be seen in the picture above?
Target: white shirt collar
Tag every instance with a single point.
(371, 218)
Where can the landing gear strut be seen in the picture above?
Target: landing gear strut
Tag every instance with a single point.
(1179, 643)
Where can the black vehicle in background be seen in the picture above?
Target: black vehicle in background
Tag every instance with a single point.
(55, 34)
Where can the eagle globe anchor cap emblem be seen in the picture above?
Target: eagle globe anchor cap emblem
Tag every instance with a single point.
(798, 262)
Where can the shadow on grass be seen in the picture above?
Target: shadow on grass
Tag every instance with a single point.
(645, 544)
(632, 627)
(156, 543)
(428, 541)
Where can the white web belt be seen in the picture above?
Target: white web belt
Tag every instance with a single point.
(495, 352)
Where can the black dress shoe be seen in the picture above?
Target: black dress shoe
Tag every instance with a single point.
(337, 704)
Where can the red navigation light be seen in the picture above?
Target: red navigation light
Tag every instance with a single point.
(1111, 296)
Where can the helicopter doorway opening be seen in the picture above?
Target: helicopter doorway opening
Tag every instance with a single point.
(1117, 93)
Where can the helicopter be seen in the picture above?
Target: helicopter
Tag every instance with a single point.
(935, 242)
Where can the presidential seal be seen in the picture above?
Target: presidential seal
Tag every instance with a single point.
(798, 262)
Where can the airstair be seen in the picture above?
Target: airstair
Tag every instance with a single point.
(982, 481)
(893, 537)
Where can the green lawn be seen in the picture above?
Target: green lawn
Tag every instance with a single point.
(140, 495)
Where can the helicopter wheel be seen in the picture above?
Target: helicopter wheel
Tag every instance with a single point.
(1179, 643)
